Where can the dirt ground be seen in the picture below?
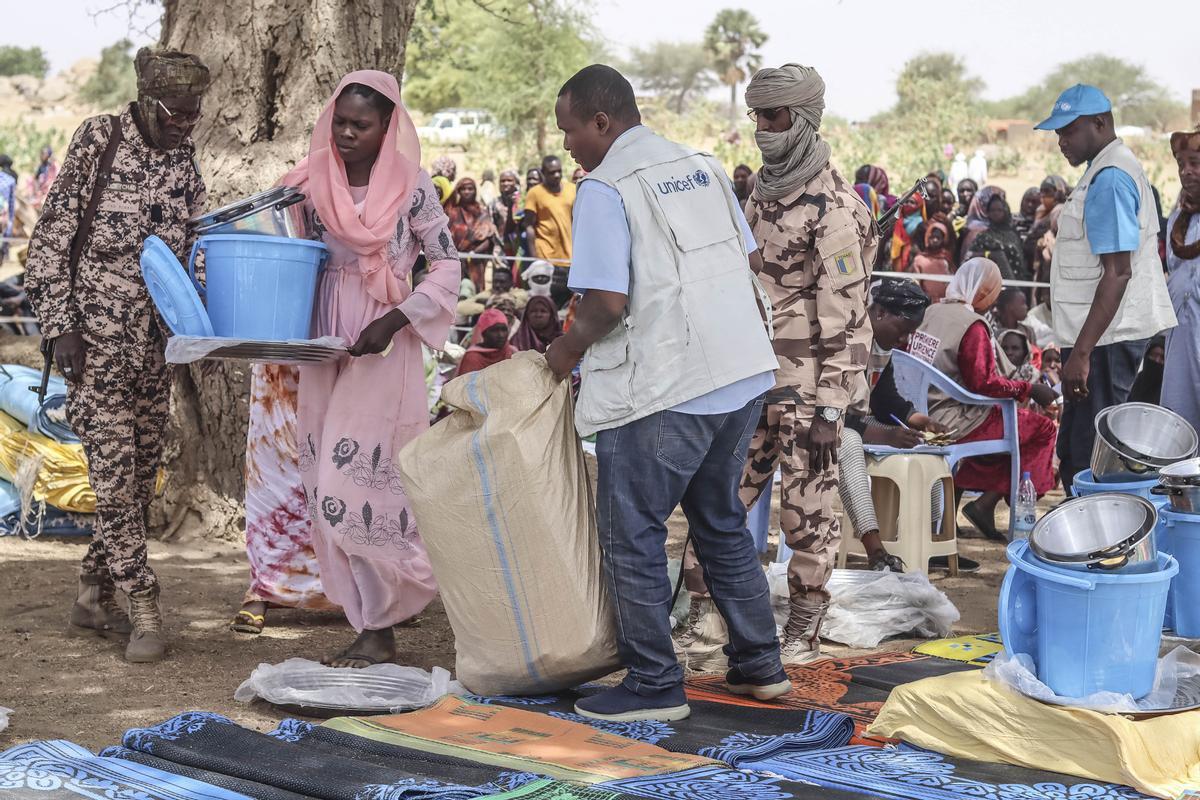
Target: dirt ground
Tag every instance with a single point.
(78, 687)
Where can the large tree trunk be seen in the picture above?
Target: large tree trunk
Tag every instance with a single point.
(274, 64)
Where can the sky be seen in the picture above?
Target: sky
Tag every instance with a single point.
(858, 46)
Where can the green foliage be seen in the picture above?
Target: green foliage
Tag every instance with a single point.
(1137, 99)
(24, 144)
(23, 61)
(507, 56)
(732, 41)
(937, 104)
(943, 72)
(114, 83)
(672, 69)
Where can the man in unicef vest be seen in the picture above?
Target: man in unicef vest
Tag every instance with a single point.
(1107, 290)
(676, 359)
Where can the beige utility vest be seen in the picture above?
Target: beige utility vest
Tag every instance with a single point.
(692, 323)
(936, 342)
(1075, 271)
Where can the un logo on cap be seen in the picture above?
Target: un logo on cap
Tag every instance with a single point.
(700, 177)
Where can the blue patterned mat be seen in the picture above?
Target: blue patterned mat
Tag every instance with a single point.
(910, 773)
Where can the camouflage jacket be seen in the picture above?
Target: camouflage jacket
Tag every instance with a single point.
(817, 247)
(150, 192)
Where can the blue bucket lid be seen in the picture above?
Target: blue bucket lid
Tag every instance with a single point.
(172, 291)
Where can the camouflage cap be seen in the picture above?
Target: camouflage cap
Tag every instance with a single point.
(170, 73)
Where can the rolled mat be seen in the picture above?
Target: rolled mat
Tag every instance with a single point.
(909, 773)
(285, 761)
(732, 734)
(60, 770)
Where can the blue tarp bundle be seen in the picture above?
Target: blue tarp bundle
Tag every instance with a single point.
(21, 404)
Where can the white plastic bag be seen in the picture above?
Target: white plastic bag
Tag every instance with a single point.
(1019, 673)
(380, 688)
(4, 712)
(867, 607)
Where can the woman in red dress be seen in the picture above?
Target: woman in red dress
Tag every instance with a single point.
(956, 338)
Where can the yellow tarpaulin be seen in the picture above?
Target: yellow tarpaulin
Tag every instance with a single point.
(62, 478)
(965, 715)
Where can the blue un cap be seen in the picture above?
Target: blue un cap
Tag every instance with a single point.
(1080, 100)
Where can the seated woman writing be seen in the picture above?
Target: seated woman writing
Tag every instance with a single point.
(956, 339)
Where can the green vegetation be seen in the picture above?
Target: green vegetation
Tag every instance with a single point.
(732, 40)
(1136, 98)
(114, 83)
(676, 70)
(507, 56)
(23, 61)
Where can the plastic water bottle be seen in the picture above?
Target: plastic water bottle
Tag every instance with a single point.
(1026, 509)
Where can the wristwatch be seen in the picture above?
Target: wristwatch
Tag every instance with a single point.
(829, 413)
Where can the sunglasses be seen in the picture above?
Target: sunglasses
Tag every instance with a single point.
(769, 114)
(179, 117)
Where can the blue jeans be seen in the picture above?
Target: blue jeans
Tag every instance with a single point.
(647, 468)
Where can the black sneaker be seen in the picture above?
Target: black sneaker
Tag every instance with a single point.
(964, 564)
(619, 704)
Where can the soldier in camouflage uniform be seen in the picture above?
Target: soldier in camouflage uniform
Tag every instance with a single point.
(109, 341)
(817, 242)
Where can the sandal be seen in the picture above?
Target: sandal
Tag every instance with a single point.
(245, 622)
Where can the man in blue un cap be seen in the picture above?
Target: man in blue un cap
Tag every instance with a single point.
(1108, 294)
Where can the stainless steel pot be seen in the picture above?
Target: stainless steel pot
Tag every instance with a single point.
(1106, 532)
(1183, 473)
(275, 212)
(1184, 499)
(1136, 440)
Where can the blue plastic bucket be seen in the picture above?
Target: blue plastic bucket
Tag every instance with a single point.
(1086, 632)
(260, 287)
(1085, 485)
(1183, 538)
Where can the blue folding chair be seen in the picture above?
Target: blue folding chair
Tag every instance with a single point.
(914, 377)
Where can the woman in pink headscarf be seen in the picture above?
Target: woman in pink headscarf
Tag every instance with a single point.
(375, 209)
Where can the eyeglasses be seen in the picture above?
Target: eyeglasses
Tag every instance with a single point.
(179, 117)
(769, 114)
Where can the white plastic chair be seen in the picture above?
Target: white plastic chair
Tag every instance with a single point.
(913, 379)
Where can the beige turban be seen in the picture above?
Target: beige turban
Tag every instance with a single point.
(793, 157)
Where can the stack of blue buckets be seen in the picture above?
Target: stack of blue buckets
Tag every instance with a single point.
(261, 272)
(1087, 596)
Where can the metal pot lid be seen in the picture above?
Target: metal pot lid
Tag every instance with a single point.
(1181, 473)
(1093, 528)
(285, 195)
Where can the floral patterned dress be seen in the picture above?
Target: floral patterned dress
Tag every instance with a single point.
(355, 414)
(283, 566)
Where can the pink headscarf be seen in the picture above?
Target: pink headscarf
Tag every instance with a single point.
(322, 175)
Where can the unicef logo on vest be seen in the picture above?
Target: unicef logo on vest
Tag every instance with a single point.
(697, 180)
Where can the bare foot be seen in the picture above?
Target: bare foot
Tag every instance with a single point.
(371, 647)
(251, 618)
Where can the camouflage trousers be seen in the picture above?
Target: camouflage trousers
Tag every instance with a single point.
(119, 411)
(810, 526)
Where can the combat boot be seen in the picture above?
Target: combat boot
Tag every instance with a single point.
(700, 647)
(96, 608)
(146, 642)
(802, 634)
